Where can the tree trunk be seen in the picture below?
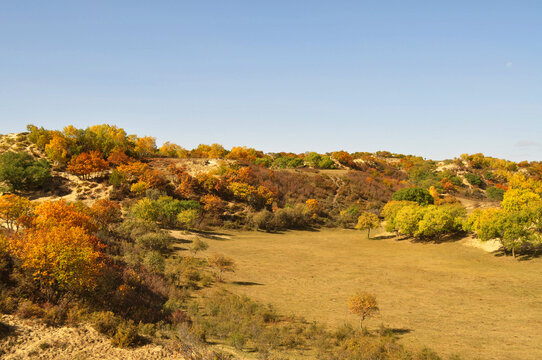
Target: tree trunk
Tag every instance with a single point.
(513, 251)
(368, 233)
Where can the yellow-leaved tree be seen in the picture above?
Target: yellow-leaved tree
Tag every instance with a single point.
(363, 304)
(367, 221)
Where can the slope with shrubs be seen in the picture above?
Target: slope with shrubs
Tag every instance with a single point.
(109, 262)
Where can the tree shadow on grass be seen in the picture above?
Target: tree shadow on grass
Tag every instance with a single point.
(382, 237)
(440, 239)
(213, 235)
(394, 332)
(400, 331)
(246, 283)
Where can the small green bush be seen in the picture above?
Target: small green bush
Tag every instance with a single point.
(494, 193)
(474, 179)
(419, 195)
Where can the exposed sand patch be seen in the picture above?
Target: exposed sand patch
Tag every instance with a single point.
(33, 340)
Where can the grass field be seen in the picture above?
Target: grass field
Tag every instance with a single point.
(449, 297)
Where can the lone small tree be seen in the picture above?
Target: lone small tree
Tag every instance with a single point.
(367, 221)
(363, 304)
(222, 264)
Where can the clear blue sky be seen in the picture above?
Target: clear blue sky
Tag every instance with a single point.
(434, 78)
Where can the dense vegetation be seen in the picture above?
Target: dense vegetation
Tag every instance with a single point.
(109, 261)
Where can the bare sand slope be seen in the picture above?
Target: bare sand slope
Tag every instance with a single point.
(32, 340)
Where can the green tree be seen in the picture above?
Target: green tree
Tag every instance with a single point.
(22, 172)
(419, 195)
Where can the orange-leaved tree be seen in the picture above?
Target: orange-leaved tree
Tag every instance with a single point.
(61, 257)
(60, 251)
(119, 157)
(87, 164)
(105, 212)
(53, 213)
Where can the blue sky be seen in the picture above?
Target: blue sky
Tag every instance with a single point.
(433, 78)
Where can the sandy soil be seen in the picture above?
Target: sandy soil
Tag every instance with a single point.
(30, 339)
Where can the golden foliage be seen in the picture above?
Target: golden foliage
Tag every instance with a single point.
(363, 304)
(15, 211)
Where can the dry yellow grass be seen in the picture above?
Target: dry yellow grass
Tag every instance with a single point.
(452, 298)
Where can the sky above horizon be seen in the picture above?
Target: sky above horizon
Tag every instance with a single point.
(430, 78)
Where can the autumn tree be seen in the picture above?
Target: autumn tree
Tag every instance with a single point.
(59, 250)
(390, 211)
(363, 304)
(244, 153)
(312, 206)
(187, 186)
(61, 257)
(435, 194)
(88, 163)
(145, 146)
(109, 138)
(318, 161)
(52, 213)
(119, 157)
(39, 136)
(213, 203)
(441, 220)
(518, 199)
(105, 212)
(187, 218)
(57, 150)
(172, 150)
(222, 264)
(138, 171)
(16, 211)
(344, 158)
(367, 221)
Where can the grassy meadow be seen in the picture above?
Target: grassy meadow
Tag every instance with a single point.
(452, 298)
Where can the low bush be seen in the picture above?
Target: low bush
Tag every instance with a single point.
(494, 193)
(159, 241)
(105, 322)
(126, 335)
(287, 218)
(474, 179)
